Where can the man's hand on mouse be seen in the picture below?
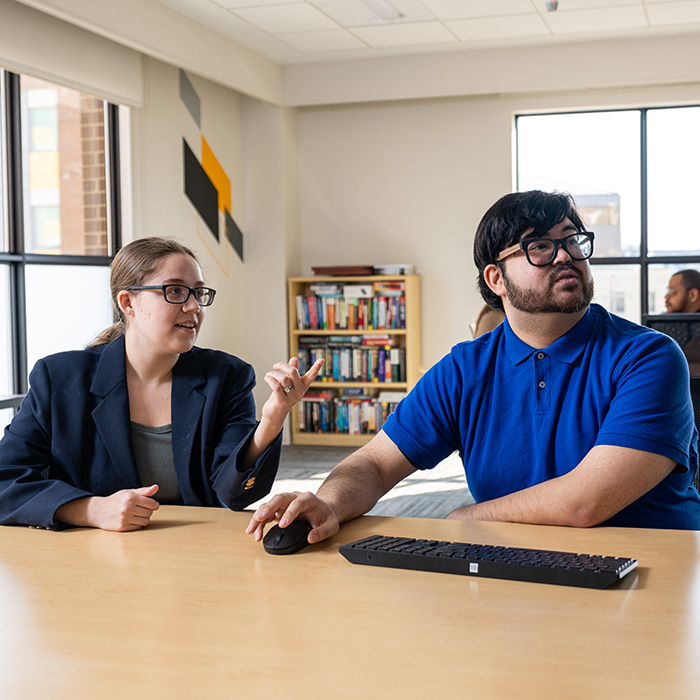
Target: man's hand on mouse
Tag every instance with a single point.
(286, 507)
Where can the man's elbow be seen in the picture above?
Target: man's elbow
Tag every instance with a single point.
(586, 515)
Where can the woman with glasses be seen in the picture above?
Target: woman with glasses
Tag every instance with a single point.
(143, 416)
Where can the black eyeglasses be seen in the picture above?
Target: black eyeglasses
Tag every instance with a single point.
(179, 294)
(542, 251)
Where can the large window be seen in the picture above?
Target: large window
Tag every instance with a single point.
(632, 173)
(59, 205)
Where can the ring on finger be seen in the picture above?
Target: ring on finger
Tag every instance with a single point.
(287, 389)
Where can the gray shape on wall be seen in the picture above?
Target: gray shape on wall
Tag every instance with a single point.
(189, 97)
(234, 234)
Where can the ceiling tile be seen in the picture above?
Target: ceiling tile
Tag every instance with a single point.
(235, 4)
(333, 40)
(668, 13)
(597, 20)
(566, 5)
(405, 34)
(278, 19)
(351, 13)
(261, 25)
(463, 9)
(485, 28)
(346, 12)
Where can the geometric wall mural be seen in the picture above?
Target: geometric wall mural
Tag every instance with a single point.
(207, 185)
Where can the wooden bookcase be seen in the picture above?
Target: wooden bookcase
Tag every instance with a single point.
(407, 338)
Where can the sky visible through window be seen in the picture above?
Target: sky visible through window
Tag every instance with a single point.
(596, 157)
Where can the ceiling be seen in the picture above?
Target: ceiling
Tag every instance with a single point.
(309, 31)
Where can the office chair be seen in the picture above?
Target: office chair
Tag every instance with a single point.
(685, 330)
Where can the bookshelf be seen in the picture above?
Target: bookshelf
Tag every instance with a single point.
(367, 328)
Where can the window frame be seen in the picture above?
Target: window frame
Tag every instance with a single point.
(643, 260)
(13, 254)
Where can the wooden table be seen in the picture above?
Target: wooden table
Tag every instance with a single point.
(192, 608)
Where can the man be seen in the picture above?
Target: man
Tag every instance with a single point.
(683, 292)
(563, 415)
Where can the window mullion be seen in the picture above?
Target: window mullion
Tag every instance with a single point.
(15, 220)
(644, 220)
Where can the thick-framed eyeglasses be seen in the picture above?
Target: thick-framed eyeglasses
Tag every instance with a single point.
(179, 294)
(542, 251)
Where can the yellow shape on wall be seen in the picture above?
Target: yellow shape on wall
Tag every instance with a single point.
(217, 175)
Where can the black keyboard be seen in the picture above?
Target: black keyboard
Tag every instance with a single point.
(538, 565)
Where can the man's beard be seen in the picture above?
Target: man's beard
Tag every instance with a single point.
(543, 302)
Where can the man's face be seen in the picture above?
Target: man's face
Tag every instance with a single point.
(677, 296)
(564, 286)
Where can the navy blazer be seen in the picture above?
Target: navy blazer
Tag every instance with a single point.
(72, 435)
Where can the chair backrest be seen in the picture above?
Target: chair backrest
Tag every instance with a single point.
(486, 320)
(685, 330)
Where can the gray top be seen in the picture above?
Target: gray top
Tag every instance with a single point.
(153, 453)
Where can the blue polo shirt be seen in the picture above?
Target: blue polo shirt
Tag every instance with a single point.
(520, 416)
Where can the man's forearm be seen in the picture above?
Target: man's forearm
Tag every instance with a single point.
(352, 488)
(544, 504)
(608, 479)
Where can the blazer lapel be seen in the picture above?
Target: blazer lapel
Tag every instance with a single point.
(111, 415)
(187, 406)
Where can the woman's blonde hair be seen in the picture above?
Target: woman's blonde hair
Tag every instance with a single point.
(131, 267)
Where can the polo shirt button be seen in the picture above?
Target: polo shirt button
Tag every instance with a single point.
(542, 385)
(540, 356)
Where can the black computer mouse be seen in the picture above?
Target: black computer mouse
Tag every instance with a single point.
(287, 540)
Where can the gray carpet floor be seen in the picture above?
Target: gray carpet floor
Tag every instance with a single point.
(426, 494)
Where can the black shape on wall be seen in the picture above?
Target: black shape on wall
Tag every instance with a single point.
(200, 190)
(234, 234)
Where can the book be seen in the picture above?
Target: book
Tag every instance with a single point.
(394, 269)
(358, 291)
(326, 289)
(349, 270)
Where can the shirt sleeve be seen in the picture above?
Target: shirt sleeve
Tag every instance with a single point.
(235, 486)
(27, 497)
(652, 409)
(424, 426)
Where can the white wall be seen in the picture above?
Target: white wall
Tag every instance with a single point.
(48, 48)
(155, 30)
(252, 141)
(405, 182)
(409, 182)
(564, 65)
(271, 228)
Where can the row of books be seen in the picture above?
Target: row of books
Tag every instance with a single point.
(373, 358)
(346, 412)
(338, 306)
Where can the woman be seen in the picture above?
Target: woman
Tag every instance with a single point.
(142, 416)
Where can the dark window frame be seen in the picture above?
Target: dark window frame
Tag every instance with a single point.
(15, 258)
(643, 261)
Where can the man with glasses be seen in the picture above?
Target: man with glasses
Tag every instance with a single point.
(564, 414)
(683, 292)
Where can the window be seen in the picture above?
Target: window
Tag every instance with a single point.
(632, 174)
(59, 209)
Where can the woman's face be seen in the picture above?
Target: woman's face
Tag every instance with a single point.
(158, 325)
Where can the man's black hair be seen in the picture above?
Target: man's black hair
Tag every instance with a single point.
(506, 221)
(690, 279)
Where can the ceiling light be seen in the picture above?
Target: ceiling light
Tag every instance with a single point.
(551, 5)
(383, 9)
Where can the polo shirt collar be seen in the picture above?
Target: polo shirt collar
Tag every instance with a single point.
(565, 349)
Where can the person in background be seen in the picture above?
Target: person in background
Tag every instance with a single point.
(486, 320)
(683, 292)
(563, 415)
(143, 416)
